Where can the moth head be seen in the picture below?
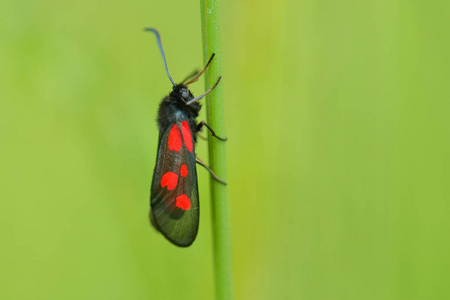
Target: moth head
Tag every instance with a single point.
(182, 91)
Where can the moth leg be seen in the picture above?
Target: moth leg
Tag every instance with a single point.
(202, 137)
(205, 93)
(203, 71)
(203, 123)
(210, 171)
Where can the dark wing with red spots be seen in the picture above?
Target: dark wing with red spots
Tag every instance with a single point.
(174, 193)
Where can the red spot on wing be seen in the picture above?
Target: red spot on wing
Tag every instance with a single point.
(183, 202)
(187, 136)
(183, 170)
(175, 138)
(170, 180)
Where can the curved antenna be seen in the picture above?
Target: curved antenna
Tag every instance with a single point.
(158, 39)
(190, 76)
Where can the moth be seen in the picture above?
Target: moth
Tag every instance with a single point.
(174, 200)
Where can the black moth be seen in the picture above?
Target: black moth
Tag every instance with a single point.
(174, 204)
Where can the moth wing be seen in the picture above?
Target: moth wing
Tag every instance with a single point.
(174, 193)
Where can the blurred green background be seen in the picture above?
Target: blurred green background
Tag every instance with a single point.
(338, 153)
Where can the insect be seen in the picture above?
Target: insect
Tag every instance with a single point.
(174, 200)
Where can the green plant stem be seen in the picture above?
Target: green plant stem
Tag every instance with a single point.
(217, 156)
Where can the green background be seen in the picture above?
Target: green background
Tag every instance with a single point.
(338, 153)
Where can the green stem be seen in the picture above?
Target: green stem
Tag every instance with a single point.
(217, 156)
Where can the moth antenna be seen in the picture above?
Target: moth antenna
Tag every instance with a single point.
(158, 39)
(190, 76)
